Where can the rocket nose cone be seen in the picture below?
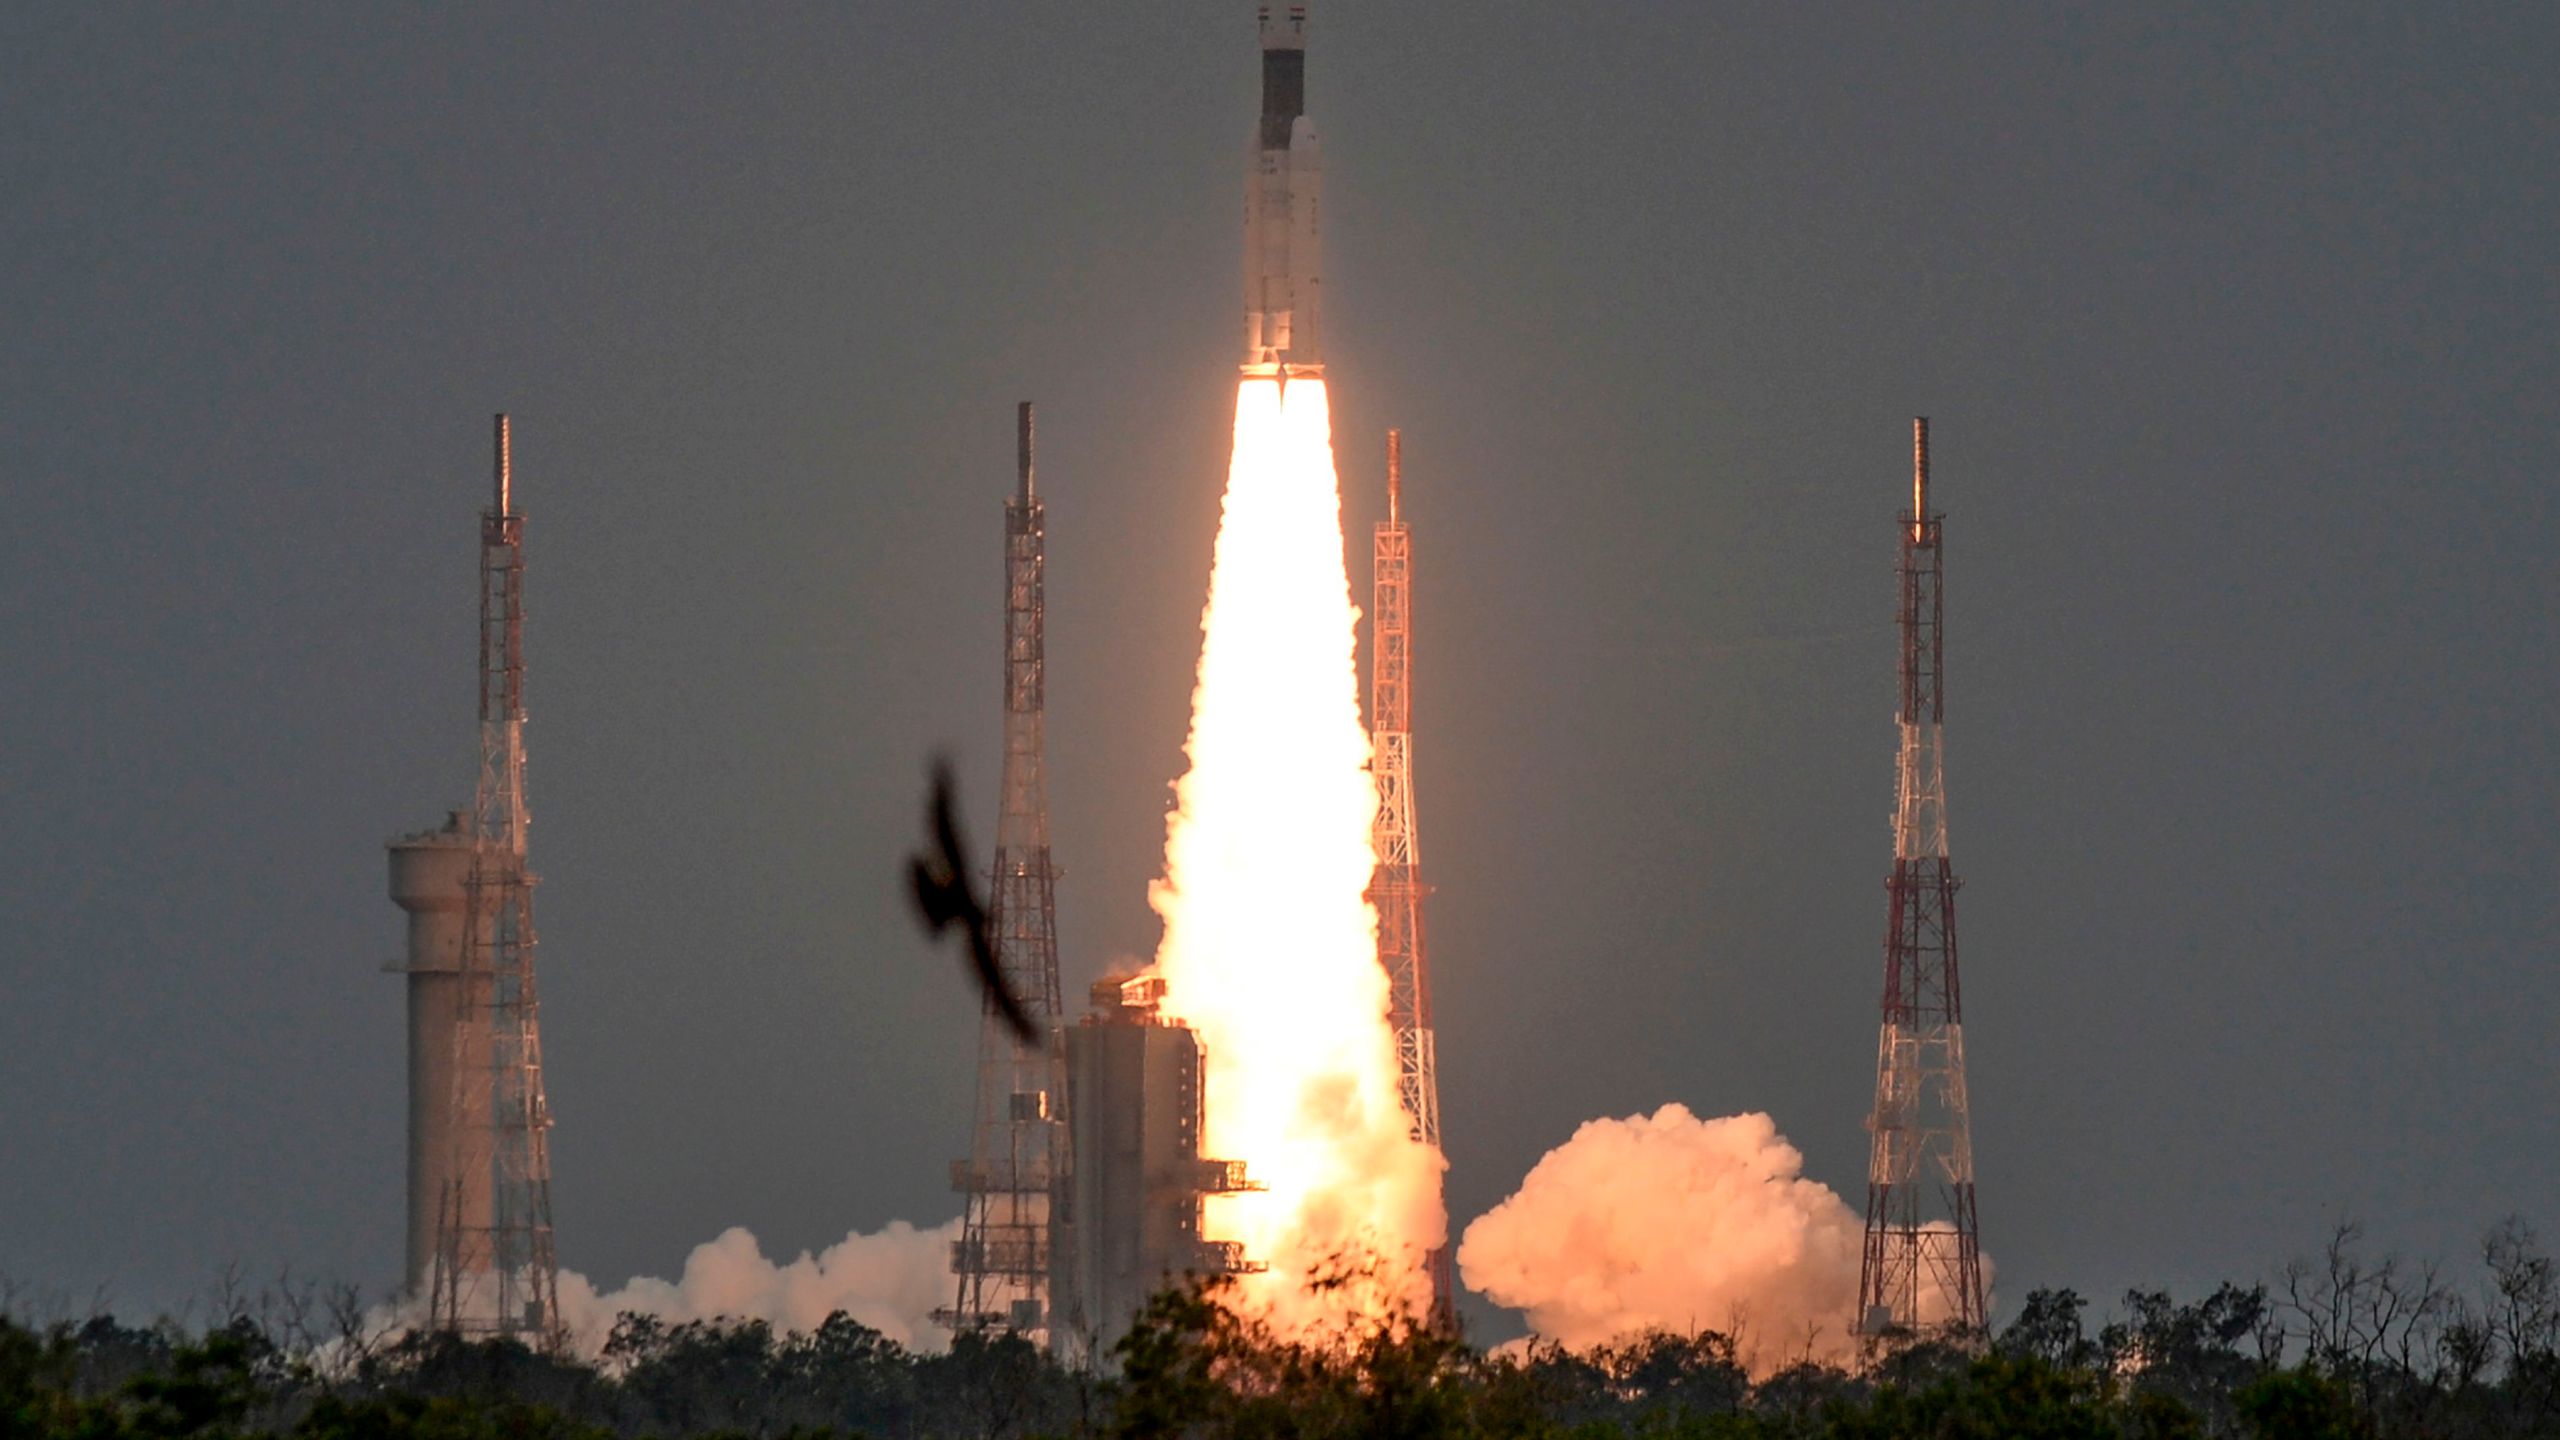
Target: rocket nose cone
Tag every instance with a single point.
(1282, 27)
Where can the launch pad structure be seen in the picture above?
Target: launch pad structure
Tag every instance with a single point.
(1014, 1185)
(1140, 1177)
(1084, 1182)
(1920, 1232)
(480, 1250)
(1396, 887)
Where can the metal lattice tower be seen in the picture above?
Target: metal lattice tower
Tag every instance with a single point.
(1396, 888)
(1922, 1267)
(494, 1271)
(1015, 1181)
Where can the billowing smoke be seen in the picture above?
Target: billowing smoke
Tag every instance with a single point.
(1675, 1223)
(1270, 945)
(890, 1281)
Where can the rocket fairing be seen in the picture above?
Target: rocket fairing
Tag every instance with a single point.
(1284, 180)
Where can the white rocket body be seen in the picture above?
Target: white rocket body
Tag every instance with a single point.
(1284, 184)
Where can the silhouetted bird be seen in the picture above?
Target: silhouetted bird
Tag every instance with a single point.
(943, 898)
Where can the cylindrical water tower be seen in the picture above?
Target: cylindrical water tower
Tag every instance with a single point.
(448, 1033)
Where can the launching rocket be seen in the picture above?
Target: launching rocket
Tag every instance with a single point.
(1284, 179)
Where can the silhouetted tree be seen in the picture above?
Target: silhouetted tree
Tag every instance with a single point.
(2196, 1355)
(2352, 1348)
(2049, 1328)
(1996, 1396)
(2299, 1404)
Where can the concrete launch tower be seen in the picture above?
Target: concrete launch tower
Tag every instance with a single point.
(1396, 887)
(480, 1242)
(1922, 1265)
(1139, 1176)
(431, 880)
(1014, 1184)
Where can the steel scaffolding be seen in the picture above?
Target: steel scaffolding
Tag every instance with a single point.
(1015, 1183)
(495, 1272)
(1396, 887)
(1922, 1267)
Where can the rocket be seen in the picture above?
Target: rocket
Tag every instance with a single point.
(1284, 179)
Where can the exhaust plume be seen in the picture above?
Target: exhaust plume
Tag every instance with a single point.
(1270, 943)
(890, 1281)
(1670, 1222)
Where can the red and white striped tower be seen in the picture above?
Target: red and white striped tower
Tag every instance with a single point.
(1922, 1267)
(1397, 888)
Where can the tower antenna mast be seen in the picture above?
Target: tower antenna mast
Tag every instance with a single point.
(1015, 1183)
(495, 1272)
(1922, 1265)
(1396, 886)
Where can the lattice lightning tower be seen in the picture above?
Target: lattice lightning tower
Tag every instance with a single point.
(494, 1271)
(1923, 1265)
(1396, 888)
(1015, 1181)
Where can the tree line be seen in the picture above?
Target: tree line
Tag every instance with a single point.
(2337, 1346)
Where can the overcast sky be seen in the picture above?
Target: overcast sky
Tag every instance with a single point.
(2235, 324)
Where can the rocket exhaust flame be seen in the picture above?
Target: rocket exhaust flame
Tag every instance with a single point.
(1270, 944)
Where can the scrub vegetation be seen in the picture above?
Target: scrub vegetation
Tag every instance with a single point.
(2337, 1345)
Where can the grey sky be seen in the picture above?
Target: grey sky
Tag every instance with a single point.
(2235, 324)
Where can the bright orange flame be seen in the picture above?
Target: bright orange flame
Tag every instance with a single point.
(1270, 944)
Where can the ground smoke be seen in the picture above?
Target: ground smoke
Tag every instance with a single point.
(1671, 1222)
(890, 1281)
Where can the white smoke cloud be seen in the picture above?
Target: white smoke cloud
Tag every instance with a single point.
(1671, 1222)
(890, 1281)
